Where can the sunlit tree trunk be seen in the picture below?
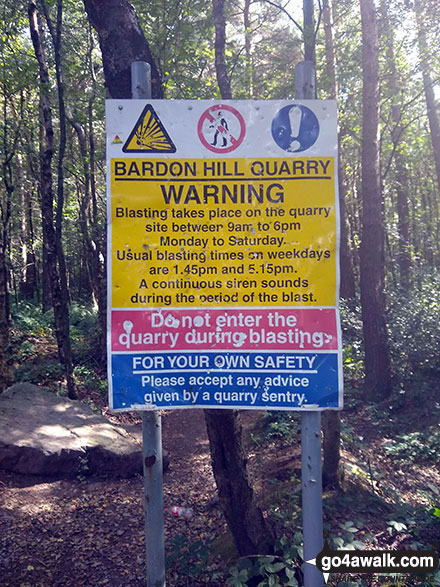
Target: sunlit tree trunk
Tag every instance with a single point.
(55, 33)
(28, 281)
(397, 135)
(60, 308)
(247, 47)
(431, 106)
(5, 215)
(372, 257)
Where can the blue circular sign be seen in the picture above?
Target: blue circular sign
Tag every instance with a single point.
(295, 128)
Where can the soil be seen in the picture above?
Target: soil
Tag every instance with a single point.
(90, 532)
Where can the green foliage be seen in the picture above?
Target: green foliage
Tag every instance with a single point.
(414, 324)
(36, 358)
(30, 320)
(415, 446)
(190, 559)
(84, 333)
(270, 570)
(277, 425)
(40, 372)
(351, 325)
(88, 377)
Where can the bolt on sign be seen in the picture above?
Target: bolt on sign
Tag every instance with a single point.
(223, 255)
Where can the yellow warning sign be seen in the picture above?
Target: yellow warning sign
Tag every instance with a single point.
(116, 140)
(238, 232)
(149, 135)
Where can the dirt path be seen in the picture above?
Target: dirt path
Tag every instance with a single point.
(56, 533)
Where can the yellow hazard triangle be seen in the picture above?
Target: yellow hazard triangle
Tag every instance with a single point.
(149, 135)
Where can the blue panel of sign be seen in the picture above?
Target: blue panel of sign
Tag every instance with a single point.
(230, 380)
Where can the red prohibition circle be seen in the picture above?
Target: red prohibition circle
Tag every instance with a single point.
(208, 115)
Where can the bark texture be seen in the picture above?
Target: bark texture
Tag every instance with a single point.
(60, 308)
(247, 524)
(431, 106)
(250, 530)
(372, 255)
(219, 46)
(5, 208)
(122, 42)
(400, 181)
(28, 283)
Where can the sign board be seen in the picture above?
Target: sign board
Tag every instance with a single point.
(223, 255)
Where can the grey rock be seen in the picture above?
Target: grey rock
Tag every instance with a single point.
(43, 434)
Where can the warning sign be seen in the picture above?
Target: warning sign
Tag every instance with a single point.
(149, 135)
(295, 128)
(223, 268)
(221, 128)
(224, 231)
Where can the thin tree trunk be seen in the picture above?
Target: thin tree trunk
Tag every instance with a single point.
(56, 40)
(219, 46)
(247, 47)
(372, 256)
(28, 282)
(397, 135)
(60, 308)
(309, 30)
(431, 107)
(332, 471)
(99, 243)
(5, 209)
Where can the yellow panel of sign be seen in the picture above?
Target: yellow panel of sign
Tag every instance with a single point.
(210, 232)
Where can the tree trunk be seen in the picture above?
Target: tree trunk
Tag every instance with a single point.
(219, 45)
(5, 207)
(60, 308)
(247, 47)
(245, 520)
(372, 257)
(309, 30)
(250, 531)
(93, 264)
(431, 107)
(397, 134)
(28, 281)
(98, 238)
(5, 355)
(122, 42)
(56, 40)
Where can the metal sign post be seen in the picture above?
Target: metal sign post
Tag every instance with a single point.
(151, 424)
(311, 421)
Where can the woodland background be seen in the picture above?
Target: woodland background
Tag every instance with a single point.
(61, 59)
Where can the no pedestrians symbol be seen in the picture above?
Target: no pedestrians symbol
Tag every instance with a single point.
(221, 128)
